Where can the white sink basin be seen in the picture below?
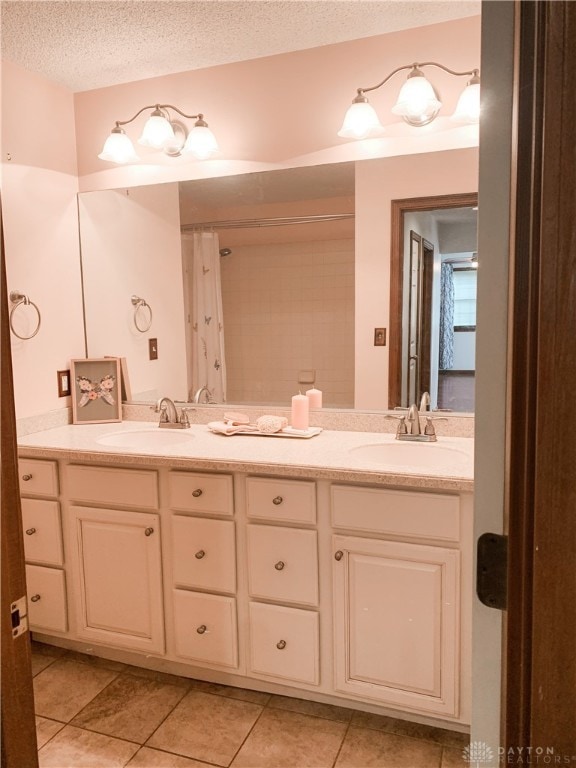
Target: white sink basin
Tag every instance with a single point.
(146, 438)
(417, 457)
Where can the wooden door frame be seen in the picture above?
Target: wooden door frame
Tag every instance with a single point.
(398, 209)
(539, 685)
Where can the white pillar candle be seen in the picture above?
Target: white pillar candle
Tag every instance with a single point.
(314, 397)
(300, 411)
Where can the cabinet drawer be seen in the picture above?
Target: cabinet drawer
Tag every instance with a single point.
(290, 501)
(103, 485)
(404, 513)
(205, 628)
(38, 477)
(204, 553)
(46, 598)
(283, 564)
(42, 531)
(284, 643)
(205, 494)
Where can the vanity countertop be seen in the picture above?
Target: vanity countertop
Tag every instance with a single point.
(333, 455)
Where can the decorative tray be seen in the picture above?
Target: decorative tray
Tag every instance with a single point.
(224, 428)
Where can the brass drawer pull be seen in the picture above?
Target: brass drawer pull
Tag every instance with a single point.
(30, 531)
(149, 531)
(197, 493)
(26, 478)
(277, 500)
(199, 555)
(201, 629)
(35, 598)
(281, 645)
(339, 555)
(280, 565)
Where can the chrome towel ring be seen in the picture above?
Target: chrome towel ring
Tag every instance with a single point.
(138, 304)
(18, 299)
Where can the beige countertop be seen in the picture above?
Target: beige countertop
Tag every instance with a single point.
(334, 455)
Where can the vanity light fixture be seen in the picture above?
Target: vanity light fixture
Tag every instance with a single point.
(162, 132)
(417, 103)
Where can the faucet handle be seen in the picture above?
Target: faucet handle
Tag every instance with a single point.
(429, 428)
(184, 420)
(402, 428)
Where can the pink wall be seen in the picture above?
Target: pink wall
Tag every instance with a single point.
(283, 109)
(39, 187)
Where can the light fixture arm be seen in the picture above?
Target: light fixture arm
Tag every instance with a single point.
(418, 65)
(159, 107)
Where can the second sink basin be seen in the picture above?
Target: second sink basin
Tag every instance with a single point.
(146, 438)
(417, 457)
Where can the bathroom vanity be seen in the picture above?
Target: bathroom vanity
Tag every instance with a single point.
(334, 569)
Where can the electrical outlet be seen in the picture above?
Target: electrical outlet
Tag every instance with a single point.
(379, 337)
(153, 349)
(63, 383)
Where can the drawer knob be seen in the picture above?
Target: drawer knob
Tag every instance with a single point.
(339, 555)
(149, 531)
(201, 629)
(197, 493)
(35, 598)
(279, 565)
(277, 500)
(200, 554)
(281, 645)
(30, 531)
(26, 477)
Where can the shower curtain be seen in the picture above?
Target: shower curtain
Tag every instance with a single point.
(208, 365)
(446, 361)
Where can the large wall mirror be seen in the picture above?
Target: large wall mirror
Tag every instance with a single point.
(241, 289)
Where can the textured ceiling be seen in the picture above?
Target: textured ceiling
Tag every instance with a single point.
(85, 44)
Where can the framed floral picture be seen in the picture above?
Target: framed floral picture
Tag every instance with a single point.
(96, 394)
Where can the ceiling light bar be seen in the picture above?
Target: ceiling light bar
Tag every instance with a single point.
(162, 132)
(418, 103)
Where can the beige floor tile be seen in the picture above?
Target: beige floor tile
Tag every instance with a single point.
(65, 687)
(407, 728)
(283, 739)
(317, 709)
(454, 758)
(206, 727)
(130, 708)
(40, 662)
(45, 729)
(153, 758)
(76, 748)
(377, 749)
(243, 694)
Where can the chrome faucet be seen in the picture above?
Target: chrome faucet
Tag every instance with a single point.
(198, 395)
(425, 401)
(413, 421)
(169, 418)
(410, 426)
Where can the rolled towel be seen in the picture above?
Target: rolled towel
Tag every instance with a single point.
(271, 424)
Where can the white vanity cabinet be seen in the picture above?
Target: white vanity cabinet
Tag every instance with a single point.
(116, 556)
(43, 547)
(203, 560)
(397, 602)
(282, 568)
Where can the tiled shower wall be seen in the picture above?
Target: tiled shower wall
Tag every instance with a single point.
(289, 308)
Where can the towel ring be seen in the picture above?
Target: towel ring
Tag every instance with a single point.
(140, 304)
(17, 299)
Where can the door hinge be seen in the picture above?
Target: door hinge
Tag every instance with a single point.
(492, 570)
(19, 613)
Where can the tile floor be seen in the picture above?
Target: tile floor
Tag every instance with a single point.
(96, 713)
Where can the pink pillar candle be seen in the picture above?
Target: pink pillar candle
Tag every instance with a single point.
(314, 397)
(300, 411)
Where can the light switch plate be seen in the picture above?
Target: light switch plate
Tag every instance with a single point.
(153, 349)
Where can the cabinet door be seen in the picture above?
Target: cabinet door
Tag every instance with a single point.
(204, 553)
(205, 628)
(46, 598)
(119, 577)
(43, 535)
(397, 623)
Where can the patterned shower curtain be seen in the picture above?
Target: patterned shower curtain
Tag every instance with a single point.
(208, 365)
(446, 361)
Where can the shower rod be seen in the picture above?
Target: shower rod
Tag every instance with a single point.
(280, 221)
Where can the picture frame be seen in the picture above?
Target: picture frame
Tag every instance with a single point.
(96, 390)
(126, 388)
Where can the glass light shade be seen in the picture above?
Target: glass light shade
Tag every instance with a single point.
(118, 149)
(157, 132)
(417, 102)
(468, 107)
(201, 143)
(360, 121)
